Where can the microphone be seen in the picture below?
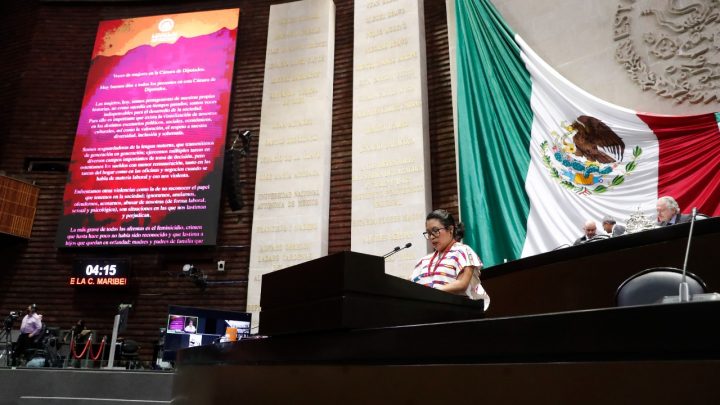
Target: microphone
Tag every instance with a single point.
(396, 249)
(684, 293)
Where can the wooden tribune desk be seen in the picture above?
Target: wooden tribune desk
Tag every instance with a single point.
(657, 354)
(350, 290)
(587, 276)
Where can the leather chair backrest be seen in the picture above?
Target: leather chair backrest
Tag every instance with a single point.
(129, 347)
(651, 285)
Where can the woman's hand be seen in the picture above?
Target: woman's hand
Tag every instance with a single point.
(461, 283)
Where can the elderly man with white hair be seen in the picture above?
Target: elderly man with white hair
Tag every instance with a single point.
(668, 212)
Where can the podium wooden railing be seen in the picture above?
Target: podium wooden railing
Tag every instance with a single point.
(18, 202)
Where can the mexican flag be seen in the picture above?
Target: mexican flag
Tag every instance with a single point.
(538, 156)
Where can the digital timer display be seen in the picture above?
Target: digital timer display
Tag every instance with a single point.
(100, 272)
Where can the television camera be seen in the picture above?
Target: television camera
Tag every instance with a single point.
(5, 336)
(11, 318)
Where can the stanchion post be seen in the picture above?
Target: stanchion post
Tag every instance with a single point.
(111, 358)
(88, 344)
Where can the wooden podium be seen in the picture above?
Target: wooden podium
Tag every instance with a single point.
(350, 290)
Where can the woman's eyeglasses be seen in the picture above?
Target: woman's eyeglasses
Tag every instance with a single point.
(435, 232)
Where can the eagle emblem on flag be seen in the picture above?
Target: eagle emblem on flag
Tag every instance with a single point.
(587, 157)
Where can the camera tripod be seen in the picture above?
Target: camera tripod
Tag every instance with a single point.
(7, 353)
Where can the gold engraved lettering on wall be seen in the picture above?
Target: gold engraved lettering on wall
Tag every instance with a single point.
(289, 199)
(386, 126)
(384, 164)
(378, 146)
(274, 196)
(383, 237)
(304, 227)
(306, 122)
(270, 205)
(273, 247)
(386, 203)
(297, 257)
(391, 219)
(385, 16)
(276, 159)
(405, 105)
(397, 76)
(377, 3)
(386, 93)
(302, 47)
(385, 180)
(390, 44)
(296, 78)
(308, 203)
(394, 182)
(289, 158)
(275, 176)
(386, 192)
(298, 33)
(289, 97)
(306, 193)
(297, 62)
(284, 252)
(387, 30)
(306, 173)
(295, 20)
(273, 228)
(386, 62)
(269, 258)
(291, 140)
(284, 93)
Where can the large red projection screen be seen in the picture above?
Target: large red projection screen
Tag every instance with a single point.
(146, 166)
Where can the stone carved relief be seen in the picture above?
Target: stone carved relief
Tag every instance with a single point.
(671, 47)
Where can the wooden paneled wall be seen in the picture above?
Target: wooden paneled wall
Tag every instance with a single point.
(46, 49)
(18, 200)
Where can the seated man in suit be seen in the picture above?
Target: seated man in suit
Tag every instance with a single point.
(668, 212)
(590, 229)
(610, 226)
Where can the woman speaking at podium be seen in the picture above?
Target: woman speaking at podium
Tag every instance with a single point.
(453, 266)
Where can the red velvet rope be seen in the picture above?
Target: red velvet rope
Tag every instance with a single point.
(72, 348)
(96, 356)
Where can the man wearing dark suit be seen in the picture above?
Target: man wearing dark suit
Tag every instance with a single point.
(590, 230)
(669, 212)
(611, 228)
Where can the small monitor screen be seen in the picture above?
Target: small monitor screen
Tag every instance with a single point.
(190, 327)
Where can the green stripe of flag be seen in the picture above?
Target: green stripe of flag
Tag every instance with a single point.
(494, 123)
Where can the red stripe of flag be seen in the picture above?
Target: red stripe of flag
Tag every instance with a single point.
(689, 161)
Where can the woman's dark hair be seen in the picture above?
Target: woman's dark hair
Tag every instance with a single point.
(79, 326)
(448, 220)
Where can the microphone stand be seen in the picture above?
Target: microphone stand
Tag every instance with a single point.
(392, 252)
(396, 249)
(684, 293)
